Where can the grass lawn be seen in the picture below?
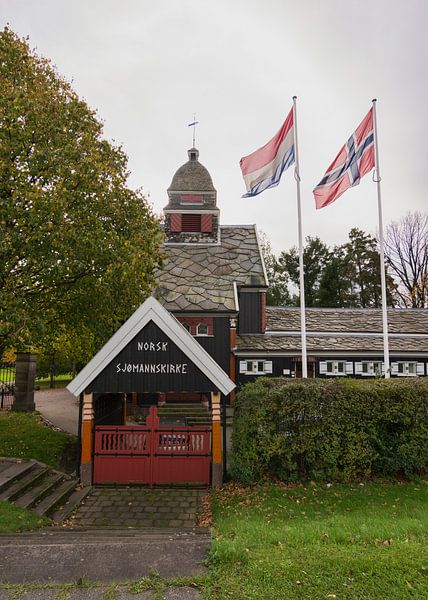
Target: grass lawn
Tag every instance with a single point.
(353, 542)
(60, 381)
(13, 519)
(23, 435)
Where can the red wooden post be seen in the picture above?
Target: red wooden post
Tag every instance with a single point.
(153, 423)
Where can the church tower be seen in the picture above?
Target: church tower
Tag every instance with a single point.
(191, 215)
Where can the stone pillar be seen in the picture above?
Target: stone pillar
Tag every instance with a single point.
(217, 463)
(86, 465)
(24, 382)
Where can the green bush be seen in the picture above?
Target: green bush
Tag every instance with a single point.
(329, 429)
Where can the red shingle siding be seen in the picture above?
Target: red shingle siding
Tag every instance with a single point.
(206, 223)
(175, 222)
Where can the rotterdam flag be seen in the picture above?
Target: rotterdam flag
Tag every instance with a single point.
(263, 168)
(354, 160)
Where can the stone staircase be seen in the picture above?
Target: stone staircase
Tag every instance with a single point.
(36, 487)
(184, 414)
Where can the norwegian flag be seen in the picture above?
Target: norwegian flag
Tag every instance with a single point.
(354, 160)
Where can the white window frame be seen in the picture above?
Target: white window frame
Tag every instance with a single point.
(252, 367)
(402, 368)
(335, 368)
(374, 368)
(198, 333)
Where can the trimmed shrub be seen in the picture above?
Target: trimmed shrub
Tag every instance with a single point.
(330, 429)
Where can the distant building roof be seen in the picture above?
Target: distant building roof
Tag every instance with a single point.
(201, 278)
(330, 343)
(347, 320)
(340, 330)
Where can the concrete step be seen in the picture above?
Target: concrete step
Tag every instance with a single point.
(37, 487)
(15, 471)
(72, 502)
(66, 555)
(19, 486)
(56, 495)
(35, 494)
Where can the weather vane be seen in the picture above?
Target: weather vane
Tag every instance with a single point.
(195, 122)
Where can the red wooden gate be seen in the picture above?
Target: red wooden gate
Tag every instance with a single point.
(152, 454)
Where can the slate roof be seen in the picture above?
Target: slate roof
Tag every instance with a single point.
(192, 176)
(362, 320)
(340, 330)
(200, 278)
(330, 343)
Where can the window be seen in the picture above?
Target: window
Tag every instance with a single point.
(190, 222)
(405, 369)
(255, 367)
(412, 368)
(202, 329)
(377, 369)
(369, 368)
(198, 326)
(336, 367)
(191, 199)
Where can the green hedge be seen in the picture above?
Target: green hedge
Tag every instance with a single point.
(329, 429)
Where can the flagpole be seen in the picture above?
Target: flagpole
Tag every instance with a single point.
(381, 249)
(301, 266)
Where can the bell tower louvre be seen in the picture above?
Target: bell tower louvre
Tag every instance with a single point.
(191, 215)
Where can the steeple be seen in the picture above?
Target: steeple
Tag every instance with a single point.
(191, 215)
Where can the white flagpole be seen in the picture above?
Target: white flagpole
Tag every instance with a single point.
(301, 272)
(381, 250)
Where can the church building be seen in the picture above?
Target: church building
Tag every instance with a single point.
(154, 399)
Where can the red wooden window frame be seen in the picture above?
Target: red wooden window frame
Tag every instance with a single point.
(193, 323)
(191, 199)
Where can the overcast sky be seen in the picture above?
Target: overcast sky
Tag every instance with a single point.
(148, 65)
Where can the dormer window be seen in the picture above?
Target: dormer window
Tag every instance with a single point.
(202, 329)
(198, 326)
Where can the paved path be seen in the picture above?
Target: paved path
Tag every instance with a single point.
(59, 407)
(150, 531)
(139, 508)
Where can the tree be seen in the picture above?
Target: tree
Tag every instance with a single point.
(277, 293)
(78, 247)
(406, 254)
(315, 257)
(335, 287)
(362, 257)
